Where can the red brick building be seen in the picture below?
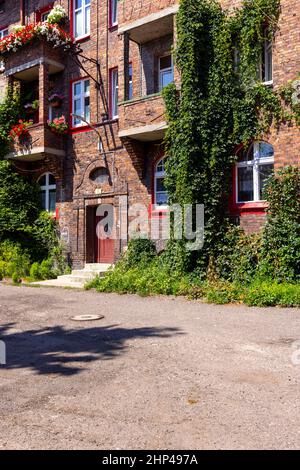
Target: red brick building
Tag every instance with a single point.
(110, 94)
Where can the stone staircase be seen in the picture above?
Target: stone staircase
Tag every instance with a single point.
(78, 278)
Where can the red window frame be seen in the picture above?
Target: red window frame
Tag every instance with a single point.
(111, 71)
(84, 127)
(111, 25)
(39, 13)
(238, 208)
(72, 28)
(2, 28)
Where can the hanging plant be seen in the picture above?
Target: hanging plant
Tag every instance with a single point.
(57, 15)
(32, 107)
(59, 125)
(56, 100)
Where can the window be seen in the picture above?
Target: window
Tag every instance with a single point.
(113, 12)
(48, 192)
(266, 66)
(130, 86)
(45, 15)
(165, 68)
(255, 165)
(114, 92)
(82, 18)
(160, 193)
(100, 175)
(3, 33)
(80, 102)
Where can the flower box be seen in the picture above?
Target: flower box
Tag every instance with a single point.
(24, 35)
(59, 125)
(56, 100)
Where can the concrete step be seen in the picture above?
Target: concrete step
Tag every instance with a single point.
(99, 267)
(87, 274)
(79, 277)
(73, 278)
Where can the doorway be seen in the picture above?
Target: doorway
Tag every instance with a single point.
(98, 250)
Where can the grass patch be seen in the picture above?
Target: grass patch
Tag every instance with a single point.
(154, 280)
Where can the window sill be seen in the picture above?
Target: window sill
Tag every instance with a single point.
(75, 130)
(251, 206)
(83, 38)
(113, 27)
(268, 84)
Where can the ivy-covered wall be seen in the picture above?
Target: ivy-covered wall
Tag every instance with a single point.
(221, 105)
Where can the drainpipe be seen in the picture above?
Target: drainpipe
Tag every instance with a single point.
(22, 12)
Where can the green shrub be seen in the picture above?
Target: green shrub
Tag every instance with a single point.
(46, 269)
(143, 280)
(16, 278)
(281, 237)
(13, 260)
(35, 272)
(140, 251)
(272, 294)
(239, 256)
(223, 293)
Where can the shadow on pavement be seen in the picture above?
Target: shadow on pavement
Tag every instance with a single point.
(56, 350)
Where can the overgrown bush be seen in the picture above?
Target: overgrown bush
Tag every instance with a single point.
(13, 260)
(268, 294)
(10, 113)
(139, 251)
(239, 256)
(19, 205)
(35, 272)
(143, 280)
(28, 232)
(280, 256)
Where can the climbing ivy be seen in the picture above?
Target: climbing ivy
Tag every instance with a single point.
(221, 103)
(10, 113)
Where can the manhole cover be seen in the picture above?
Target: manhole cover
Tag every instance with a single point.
(87, 317)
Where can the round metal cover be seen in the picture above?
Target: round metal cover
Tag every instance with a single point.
(87, 317)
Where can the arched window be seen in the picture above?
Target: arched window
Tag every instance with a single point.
(255, 165)
(48, 192)
(100, 175)
(160, 193)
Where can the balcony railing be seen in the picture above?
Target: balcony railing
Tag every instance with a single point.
(23, 50)
(39, 143)
(143, 118)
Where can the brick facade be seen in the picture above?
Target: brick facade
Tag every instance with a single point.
(131, 143)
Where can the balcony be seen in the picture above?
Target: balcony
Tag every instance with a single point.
(24, 63)
(150, 27)
(36, 69)
(41, 143)
(148, 42)
(143, 119)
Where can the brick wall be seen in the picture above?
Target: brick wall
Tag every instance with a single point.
(130, 163)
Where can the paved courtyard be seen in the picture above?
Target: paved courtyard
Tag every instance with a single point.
(155, 373)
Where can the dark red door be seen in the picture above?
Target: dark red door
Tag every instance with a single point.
(104, 247)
